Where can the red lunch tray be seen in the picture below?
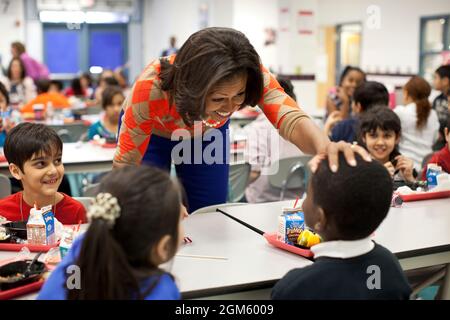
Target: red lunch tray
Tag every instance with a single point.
(425, 195)
(2, 158)
(272, 239)
(20, 291)
(31, 247)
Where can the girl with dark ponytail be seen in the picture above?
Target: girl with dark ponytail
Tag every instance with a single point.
(420, 123)
(135, 225)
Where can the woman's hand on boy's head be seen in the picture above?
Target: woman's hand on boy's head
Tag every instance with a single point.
(332, 152)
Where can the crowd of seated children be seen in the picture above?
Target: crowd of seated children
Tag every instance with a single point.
(120, 254)
(368, 95)
(345, 208)
(339, 102)
(419, 121)
(380, 132)
(261, 155)
(34, 154)
(112, 100)
(441, 102)
(442, 157)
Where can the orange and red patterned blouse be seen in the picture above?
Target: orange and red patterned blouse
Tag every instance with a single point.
(147, 111)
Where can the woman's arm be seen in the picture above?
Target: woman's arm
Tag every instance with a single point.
(135, 128)
(296, 126)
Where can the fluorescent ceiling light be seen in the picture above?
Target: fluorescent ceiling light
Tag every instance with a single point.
(62, 16)
(106, 17)
(83, 17)
(96, 69)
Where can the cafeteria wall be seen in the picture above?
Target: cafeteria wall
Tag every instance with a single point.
(395, 44)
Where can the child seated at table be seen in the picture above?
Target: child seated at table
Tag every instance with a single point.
(261, 155)
(368, 95)
(46, 98)
(112, 100)
(340, 99)
(345, 208)
(442, 157)
(34, 153)
(379, 132)
(133, 230)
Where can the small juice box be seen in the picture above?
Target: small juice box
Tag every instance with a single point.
(290, 224)
(433, 170)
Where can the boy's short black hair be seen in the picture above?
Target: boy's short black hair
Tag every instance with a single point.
(108, 95)
(57, 83)
(4, 92)
(444, 71)
(355, 199)
(379, 117)
(27, 139)
(370, 94)
(42, 85)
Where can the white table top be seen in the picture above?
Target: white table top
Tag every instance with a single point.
(79, 156)
(416, 228)
(252, 262)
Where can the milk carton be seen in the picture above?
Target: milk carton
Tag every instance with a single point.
(433, 170)
(41, 226)
(66, 241)
(290, 224)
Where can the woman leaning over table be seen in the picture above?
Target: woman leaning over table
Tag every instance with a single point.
(216, 72)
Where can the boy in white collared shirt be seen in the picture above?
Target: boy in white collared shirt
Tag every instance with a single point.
(345, 208)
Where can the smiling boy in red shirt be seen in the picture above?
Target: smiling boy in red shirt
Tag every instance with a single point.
(34, 154)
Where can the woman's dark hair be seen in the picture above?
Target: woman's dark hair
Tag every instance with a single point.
(110, 81)
(371, 94)
(419, 90)
(209, 57)
(27, 139)
(22, 66)
(76, 87)
(379, 118)
(108, 95)
(287, 86)
(347, 70)
(355, 199)
(115, 261)
(4, 92)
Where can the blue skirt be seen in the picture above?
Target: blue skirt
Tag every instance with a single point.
(204, 183)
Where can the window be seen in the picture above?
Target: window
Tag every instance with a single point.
(70, 49)
(434, 44)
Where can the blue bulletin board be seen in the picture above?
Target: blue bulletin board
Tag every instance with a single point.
(106, 49)
(61, 52)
